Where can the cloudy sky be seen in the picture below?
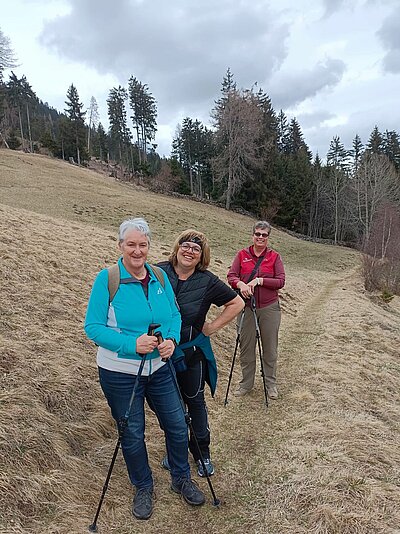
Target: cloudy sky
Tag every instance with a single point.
(332, 64)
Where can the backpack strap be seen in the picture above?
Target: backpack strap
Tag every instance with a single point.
(159, 274)
(113, 280)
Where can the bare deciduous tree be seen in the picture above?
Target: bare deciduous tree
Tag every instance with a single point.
(381, 259)
(374, 182)
(7, 56)
(93, 114)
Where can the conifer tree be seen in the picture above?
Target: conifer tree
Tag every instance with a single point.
(16, 94)
(391, 147)
(357, 152)
(339, 165)
(375, 142)
(283, 133)
(319, 213)
(119, 132)
(101, 143)
(75, 126)
(239, 122)
(144, 117)
(193, 148)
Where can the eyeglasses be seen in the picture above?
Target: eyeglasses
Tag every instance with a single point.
(186, 247)
(260, 234)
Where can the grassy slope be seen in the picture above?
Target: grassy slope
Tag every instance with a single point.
(323, 459)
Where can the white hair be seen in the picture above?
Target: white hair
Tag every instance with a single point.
(138, 223)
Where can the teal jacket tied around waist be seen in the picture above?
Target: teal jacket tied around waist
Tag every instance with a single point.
(204, 343)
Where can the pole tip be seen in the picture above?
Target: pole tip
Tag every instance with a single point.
(93, 527)
(216, 503)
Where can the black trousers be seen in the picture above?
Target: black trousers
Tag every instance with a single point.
(192, 383)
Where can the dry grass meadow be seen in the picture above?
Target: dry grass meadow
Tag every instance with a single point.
(325, 457)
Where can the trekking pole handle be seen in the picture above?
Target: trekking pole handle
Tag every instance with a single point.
(150, 332)
(160, 340)
(152, 328)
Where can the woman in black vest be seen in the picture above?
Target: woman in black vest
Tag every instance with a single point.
(196, 289)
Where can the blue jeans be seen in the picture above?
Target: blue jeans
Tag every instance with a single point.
(192, 383)
(160, 389)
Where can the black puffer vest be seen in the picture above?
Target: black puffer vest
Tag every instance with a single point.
(189, 297)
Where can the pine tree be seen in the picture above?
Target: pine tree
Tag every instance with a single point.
(119, 133)
(338, 163)
(317, 209)
(295, 140)
(283, 133)
(16, 94)
(144, 118)
(375, 142)
(239, 123)
(101, 149)
(193, 148)
(391, 147)
(76, 117)
(357, 152)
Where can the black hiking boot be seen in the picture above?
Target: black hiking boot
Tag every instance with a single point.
(143, 503)
(189, 491)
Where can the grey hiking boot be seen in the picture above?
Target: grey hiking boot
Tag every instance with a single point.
(208, 465)
(143, 503)
(273, 392)
(240, 392)
(189, 491)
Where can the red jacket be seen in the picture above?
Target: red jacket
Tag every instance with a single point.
(271, 270)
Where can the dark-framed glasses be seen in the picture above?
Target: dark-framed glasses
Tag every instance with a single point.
(261, 234)
(186, 247)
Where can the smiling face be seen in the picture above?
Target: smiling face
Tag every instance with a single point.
(260, 238)
(134, 248)
(188, 256)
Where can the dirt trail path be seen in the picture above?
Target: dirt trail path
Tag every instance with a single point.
(311, 461)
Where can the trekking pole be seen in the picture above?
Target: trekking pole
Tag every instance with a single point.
(234, 356)
(122, 424)
(258, 337)
(188, 419)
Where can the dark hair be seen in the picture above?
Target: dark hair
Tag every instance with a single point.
(192, 236)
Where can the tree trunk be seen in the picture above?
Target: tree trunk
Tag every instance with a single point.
(4, 140)
(138, 144)
(88, 140)
(20, 127)
(229, 188)
(29, 127)
(144, 142)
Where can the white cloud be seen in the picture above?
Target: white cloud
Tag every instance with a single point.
(319, 60)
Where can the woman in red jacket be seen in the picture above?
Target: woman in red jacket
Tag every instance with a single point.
(258, 270)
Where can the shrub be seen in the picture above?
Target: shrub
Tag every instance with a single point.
(381, 258)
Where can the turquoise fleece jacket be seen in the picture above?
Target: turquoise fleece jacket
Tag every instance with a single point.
(115, 326)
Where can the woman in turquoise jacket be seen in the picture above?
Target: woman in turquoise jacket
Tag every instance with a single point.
(119, 328)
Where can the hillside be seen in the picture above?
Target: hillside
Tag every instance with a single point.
(324, 458)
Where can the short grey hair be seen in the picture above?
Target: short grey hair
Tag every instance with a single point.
(138, 223)
(262, 225)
